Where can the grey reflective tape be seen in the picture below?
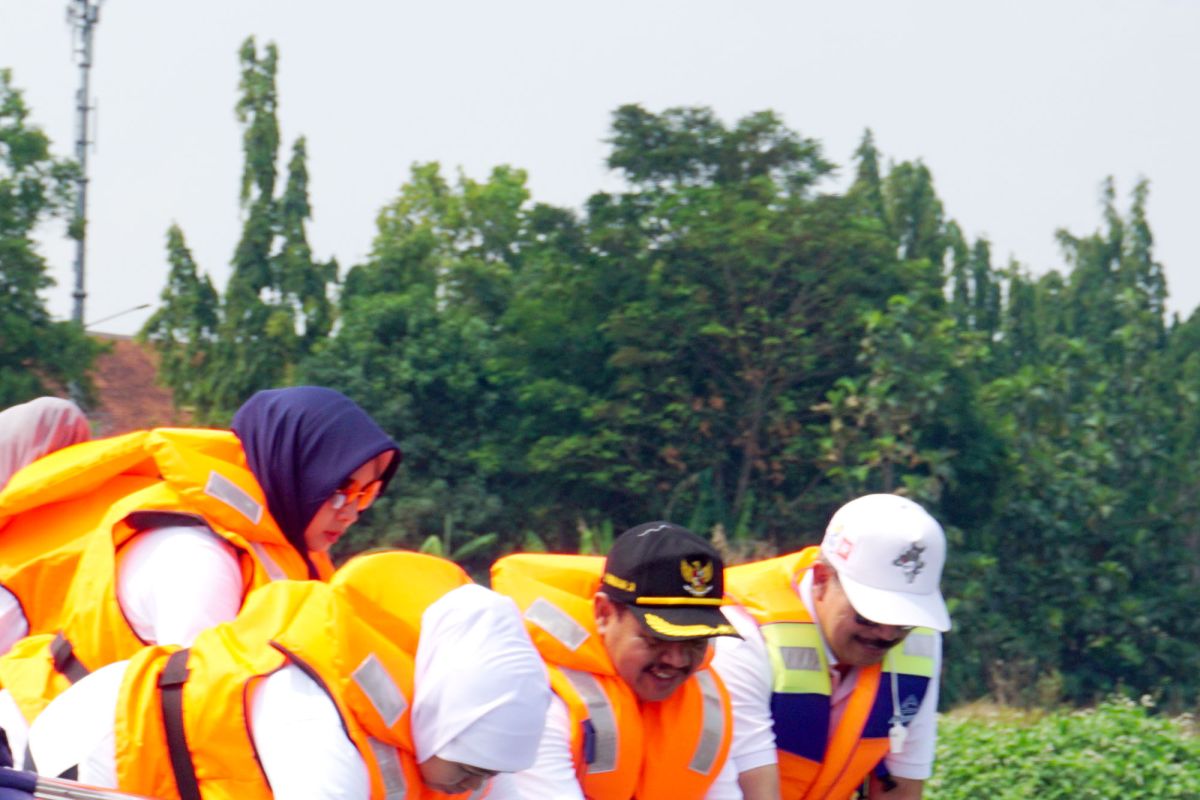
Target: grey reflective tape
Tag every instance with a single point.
(377, 684)
(274, 572)
(221, 488)
(602, 716)
(388, 759)
(919, 644)
(801, 658)
(556, 622)
(712, 725)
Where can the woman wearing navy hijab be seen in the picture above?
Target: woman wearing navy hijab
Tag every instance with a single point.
(319, 459)
(179, 556)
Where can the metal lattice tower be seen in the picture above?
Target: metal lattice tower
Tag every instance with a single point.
(83, 15)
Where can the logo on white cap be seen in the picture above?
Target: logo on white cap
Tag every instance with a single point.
(910, 562)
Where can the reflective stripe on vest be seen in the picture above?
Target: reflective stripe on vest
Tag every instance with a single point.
(604, 723)
(797, 655)
(394, 786)
(712, 732)
(274, 572)
(373, 678)
(221, 488)
(556, 622)
(915, 656)
(602, 717)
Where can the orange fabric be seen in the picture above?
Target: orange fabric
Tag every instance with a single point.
(286, 622)
(200, 475)
(43, 530)
(767, 590)
(655, 742)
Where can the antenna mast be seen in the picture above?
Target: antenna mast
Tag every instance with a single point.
(83, 15)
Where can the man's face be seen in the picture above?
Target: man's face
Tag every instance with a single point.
(853, 639)
(654, 668)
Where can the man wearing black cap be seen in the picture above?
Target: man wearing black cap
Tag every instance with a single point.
(637, 712)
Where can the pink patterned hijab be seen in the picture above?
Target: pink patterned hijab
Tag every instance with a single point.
(37, 428)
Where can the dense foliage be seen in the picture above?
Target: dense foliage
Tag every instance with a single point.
(731, 343)
(1116, 750)
(36, 353)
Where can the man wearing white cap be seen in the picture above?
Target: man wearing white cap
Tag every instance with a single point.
(835, 681)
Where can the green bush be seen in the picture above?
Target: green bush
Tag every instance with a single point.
(1117, 750)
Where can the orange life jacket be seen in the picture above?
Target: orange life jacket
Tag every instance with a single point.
(43, 530)
(813, 764)
(622, 748)
(186, 477)
(373, 606)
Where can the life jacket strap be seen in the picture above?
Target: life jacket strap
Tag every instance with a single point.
(170, 684)
(65, 661)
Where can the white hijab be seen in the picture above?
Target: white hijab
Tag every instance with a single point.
(34, 429)
(481, 690)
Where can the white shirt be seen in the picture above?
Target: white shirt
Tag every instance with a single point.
(174, 582)
(297, 734)
(552, 776)
(744, 666)
(13, 625)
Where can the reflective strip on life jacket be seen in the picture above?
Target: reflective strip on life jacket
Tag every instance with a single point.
(557, 623)
(602, 718)
(273, 570)
(221, 488)
(712, 732)
(915, 656)
(394, 785)
(797, 658)
(373, 678)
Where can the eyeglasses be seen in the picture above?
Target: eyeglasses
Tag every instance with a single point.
(351, 492)
(867, 623)
(863, 621)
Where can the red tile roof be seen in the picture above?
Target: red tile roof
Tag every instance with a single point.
(127, 396)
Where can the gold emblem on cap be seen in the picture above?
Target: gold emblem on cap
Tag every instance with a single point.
(697, 576)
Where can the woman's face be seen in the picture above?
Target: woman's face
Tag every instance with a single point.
(452, 777)
(340, 510)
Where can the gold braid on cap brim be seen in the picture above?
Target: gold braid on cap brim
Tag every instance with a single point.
(662, 626)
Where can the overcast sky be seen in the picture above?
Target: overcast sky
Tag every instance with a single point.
(1020, 109)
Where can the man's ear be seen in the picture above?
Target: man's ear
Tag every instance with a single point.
(822, 574)
(605, 611)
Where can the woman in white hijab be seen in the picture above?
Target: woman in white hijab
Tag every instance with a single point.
(479, 688)
(31, 430)
(479, 704)
(480, 695)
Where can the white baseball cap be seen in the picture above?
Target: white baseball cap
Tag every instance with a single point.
(889, 553)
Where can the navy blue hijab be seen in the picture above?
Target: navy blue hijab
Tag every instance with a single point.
(302, 443)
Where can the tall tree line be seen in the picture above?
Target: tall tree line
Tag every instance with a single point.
(728, 342)
(37, 354)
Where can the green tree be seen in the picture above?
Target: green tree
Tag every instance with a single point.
(276, 305)
(184, 328)
(418, 345)
(720, 278)
(36, 353)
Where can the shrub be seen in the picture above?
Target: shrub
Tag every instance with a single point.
(1117, 750)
